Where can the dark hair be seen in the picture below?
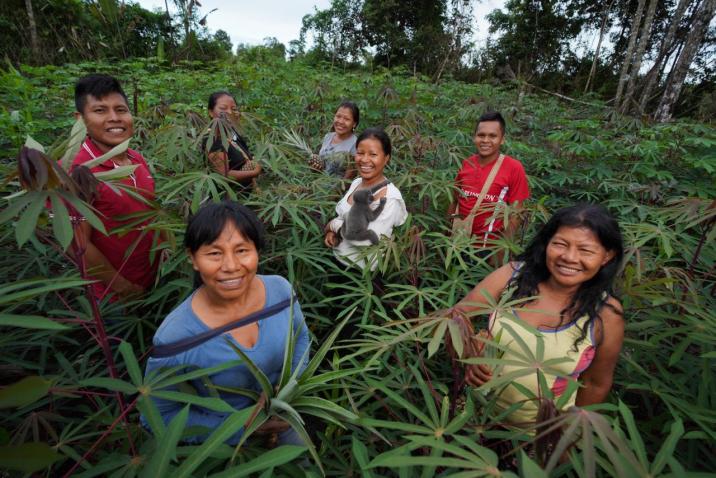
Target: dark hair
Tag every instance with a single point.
(593, 294)
(97, 85)
(355, 112)
(214, 97)
(380, 135)
(492, 116)
(206, 225)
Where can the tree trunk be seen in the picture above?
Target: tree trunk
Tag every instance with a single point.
(602, 31)
(639, 55)
(653, 75)
(33, 32)
(633, 32)
(187, 20)
(701, 19)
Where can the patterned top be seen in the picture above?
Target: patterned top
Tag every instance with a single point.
(554, 351)
(238, 153)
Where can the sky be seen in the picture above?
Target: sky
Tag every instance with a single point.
(252, 21)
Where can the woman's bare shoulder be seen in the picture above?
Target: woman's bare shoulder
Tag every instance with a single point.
(611, 324)
(612, 313)
(502, 275)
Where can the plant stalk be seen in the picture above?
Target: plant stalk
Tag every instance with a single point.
(101, 333)
(88, 453)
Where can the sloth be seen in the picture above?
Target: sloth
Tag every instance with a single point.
(355, 227)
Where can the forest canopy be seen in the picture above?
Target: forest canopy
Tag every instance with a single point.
(648, 57)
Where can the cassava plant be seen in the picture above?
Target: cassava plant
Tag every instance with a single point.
(387, 402)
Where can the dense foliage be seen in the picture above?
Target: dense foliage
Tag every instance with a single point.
(384, 405)
(568, 46)
(646, 57)
(39, 32)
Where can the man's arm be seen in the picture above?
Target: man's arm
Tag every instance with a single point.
(101, 268)
(514, 220)
(519, 192)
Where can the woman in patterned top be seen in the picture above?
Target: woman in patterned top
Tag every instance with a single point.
(234, 160)
(566, 274)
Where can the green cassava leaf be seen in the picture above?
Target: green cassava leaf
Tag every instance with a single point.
(268, 460)
(28, 457)
(30, 322)
(24, 392)
(165, 452)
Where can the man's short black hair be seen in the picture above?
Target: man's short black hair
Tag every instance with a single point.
(492, 116)
(97, 85)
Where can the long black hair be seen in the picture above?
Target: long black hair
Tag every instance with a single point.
(593, 294)
(207, 224)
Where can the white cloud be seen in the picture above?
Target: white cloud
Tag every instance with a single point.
(252, 21)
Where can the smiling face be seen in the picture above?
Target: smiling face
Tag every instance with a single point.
(343, 122)
(574, 255)
(225, 104)
(488, 139)
(371, 159)
(227, 266)
(108, 120)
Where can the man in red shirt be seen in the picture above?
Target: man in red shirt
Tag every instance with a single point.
(509, 186)
(120, 261)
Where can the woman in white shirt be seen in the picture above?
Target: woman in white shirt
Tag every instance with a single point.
(373, 151)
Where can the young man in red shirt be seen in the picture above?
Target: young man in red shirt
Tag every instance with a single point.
(509, 185)
(120, 261)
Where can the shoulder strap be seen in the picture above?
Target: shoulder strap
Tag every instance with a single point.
(379, 186)
(487, 184)
(175, 348)
(515, 271)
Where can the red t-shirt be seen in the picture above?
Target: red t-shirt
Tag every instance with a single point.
(111, 205)
(509, 186)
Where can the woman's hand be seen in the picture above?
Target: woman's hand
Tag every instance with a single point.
(330, 239)
(218, 160)
(272, 425)
(478, 375)
(126, 289)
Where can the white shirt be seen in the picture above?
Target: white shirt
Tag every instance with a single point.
(394, 214)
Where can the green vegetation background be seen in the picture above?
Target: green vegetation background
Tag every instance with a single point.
(394, 411)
